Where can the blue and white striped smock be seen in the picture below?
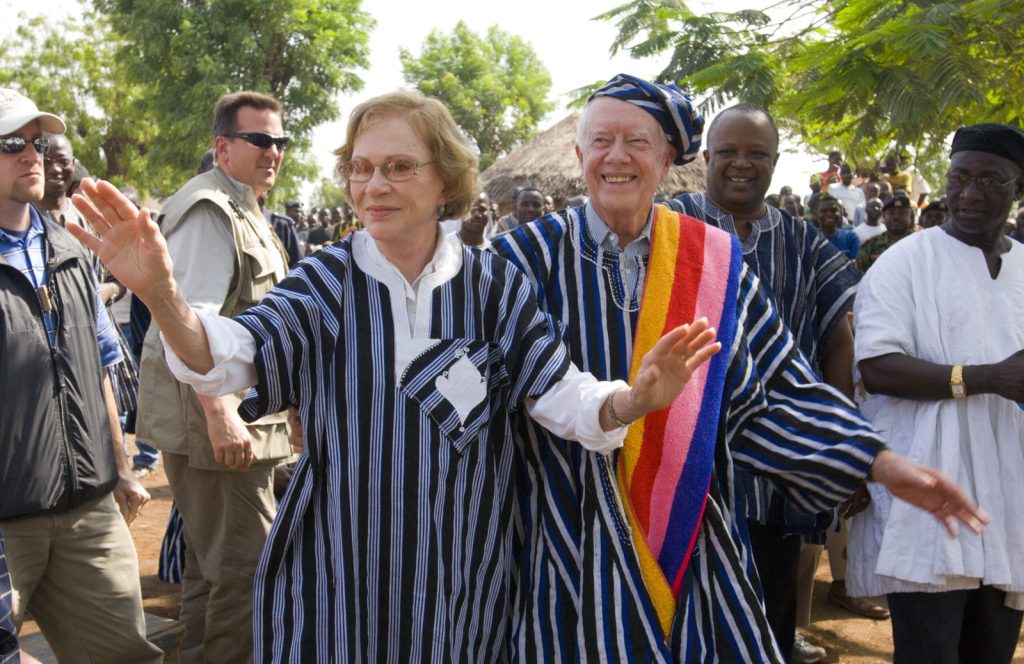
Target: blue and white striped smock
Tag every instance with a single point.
(393, 541)
(812, 285)
(581, 596)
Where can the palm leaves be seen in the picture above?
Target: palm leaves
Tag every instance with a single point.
(865, 76)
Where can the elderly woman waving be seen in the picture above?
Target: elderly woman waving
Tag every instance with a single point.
(405, 354)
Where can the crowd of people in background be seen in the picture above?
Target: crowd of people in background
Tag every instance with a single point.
(865, 396)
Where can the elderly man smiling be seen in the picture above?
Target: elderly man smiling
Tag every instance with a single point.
(641, 557)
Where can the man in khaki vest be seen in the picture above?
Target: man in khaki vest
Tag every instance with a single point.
(220, 470)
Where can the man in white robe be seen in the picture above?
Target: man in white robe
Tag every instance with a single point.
(939, 333)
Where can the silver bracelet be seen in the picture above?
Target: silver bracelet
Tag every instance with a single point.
(611, 410)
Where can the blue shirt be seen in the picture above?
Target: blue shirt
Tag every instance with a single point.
(632, 257)
(846, 242)
(27, 253)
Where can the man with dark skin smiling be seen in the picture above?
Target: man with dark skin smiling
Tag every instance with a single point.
(813, 289)
(471, 233)
(939, 346)
(828, 213)
(59, 165)
(59, 169)
(898, 215)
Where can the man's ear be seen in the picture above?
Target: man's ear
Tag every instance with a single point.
(707, 157)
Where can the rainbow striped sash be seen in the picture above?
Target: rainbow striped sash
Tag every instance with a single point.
(665, 466)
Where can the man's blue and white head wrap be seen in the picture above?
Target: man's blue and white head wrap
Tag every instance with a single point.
(669, 105)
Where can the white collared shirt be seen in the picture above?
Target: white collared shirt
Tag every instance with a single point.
(570, 409)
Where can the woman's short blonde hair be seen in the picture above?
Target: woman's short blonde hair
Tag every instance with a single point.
(456, 162)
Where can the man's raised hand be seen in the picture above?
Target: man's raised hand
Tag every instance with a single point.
(667, 368)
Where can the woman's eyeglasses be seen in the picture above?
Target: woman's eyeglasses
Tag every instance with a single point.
(395, 170)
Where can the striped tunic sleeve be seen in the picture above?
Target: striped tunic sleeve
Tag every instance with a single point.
(285, 325)
(785, 422)
(580, 592)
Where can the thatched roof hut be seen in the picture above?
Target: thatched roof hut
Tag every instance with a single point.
(549, 163)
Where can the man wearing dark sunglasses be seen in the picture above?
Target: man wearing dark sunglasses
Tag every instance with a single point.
(67, 488)
(220, 470)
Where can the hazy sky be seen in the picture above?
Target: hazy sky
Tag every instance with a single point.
(573, 48)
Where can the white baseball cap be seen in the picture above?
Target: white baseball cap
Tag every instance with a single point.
(17, 110)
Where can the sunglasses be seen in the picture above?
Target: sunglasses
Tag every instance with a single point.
(261, 140)
(17, 144)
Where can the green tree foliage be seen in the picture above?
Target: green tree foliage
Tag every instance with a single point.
(863, 76)
(327, 194)
(187, 54)
(495, 86)
(70, 68)
(137, 81)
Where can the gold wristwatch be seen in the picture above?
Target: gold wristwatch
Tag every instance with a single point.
(956, 382)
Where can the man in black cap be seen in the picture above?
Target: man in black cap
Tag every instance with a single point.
(934, 214)
(898, 217)
(295, 211)
(940, 350)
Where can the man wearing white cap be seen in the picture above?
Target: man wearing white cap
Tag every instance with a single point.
(68, 489)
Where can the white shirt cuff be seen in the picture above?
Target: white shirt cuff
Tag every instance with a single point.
(571, 410)
(234, 357)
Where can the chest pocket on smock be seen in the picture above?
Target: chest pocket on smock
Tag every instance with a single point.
(455, 382)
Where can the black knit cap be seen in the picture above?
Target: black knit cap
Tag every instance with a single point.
(899, 200)
(997, 139)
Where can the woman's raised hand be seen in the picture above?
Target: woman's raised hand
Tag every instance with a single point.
(126, 240)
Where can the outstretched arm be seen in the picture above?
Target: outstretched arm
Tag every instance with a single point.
(928, 489)
(130, 245)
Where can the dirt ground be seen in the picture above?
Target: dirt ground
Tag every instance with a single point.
(847, 638)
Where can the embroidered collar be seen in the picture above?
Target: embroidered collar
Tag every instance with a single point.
(772, 217)
(607, 239)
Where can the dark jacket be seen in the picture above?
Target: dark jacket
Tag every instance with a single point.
(284, 227)
(55, 442)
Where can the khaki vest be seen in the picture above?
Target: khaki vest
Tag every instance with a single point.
(170, 416)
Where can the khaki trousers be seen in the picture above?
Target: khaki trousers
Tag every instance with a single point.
(227, 517)
(810, 556)
(77, 573)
